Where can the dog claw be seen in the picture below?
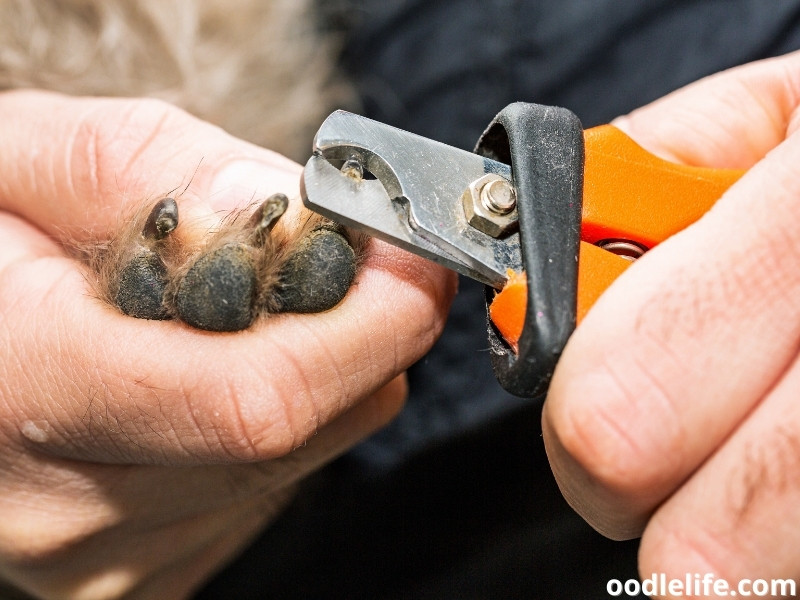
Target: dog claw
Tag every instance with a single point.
(266, 215)
(162, 220)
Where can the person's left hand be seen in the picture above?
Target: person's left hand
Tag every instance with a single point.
(136, 456)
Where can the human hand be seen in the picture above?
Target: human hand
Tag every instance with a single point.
(138, 456)
(673, 413)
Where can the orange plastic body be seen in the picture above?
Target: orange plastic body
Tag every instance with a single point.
(628, 194)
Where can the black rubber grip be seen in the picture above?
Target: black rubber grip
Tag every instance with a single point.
(544, 146)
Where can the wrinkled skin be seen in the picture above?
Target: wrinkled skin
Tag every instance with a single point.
(136, 457)
(674, 411)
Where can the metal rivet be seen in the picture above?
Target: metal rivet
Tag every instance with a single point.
(626, 249)
(353, 168)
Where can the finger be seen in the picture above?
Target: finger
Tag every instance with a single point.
(739, 516)
(198, 506)
(342, 433)
(265, 479)
(74, 166)
(182, 578)
(105, 164)
(153, 495)
(108, 565)
(86, 382)
(23, 242)
(678, 351)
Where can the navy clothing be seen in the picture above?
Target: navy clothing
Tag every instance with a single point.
(455, 498)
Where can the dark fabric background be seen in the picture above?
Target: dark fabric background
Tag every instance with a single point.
(455, 498)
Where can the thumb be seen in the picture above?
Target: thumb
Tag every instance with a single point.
(104, 157)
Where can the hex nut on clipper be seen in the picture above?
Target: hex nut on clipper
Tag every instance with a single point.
(490, 205)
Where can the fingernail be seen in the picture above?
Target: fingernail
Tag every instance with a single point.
(240, 182)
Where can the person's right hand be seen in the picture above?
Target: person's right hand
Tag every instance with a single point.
(136, 456)
(673, 413)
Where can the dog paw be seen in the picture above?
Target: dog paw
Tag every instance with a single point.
(245, 269)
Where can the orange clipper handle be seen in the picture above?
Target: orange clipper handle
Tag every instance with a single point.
(628, 195)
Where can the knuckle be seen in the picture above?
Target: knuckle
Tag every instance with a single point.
(675, 550)
(252, 418)
(601, 420)
(600, 448)
(768, 473)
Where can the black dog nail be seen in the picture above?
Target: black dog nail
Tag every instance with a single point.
(266, 215)
(162, 220)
